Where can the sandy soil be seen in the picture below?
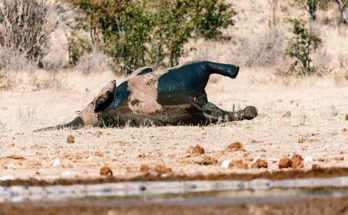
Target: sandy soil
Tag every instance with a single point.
(315, 129)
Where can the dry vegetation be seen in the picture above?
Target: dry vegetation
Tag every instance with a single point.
(298, 115)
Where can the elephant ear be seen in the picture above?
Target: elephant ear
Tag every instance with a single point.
(105, 97)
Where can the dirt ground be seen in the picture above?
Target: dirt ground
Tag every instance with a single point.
(304, 116)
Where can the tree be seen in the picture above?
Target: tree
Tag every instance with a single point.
(311, 6)
(342, 5)
(301, 46)
(138, 32)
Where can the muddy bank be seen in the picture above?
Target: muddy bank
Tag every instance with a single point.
(276, 175)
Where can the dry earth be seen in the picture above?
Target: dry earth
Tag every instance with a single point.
(304, 116)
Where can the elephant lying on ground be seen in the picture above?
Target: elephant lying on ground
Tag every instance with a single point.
(168, 97)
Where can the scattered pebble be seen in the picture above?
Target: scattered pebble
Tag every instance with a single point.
(297, 161)
(70, 139)
(308, 159)
(225, 164)
(258, 164)
(238, 164)
(346, 117)
(287, 114)
(161, 169)
(344, 130)
(106, 171)
(207, 160)
(198, 150)
(142, 155)
(284, 163)
(236, 146)
(90, 158)
(56, 162)
(340, 158)
(321, 159)
(144, 168)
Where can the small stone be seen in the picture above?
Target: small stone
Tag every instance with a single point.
(56, 162)
(308, 159)
(236, 146)
(339, 158)
(238, 164)
(106, 171)
(225, 164)
(161, 169)
(321, 159)
(144, 168)
(198, 150)
(284, 163)
(207, 160)
(258, 164)
(296, 161)
(142, 155)
(344, 130)
(346, 117)
(287, 114)
(70, 139)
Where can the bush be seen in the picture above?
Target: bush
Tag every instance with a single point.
(138, 33)
(25, 27)
(301, 46)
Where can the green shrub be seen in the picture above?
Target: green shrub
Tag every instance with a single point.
(301, 46)
(136, 33)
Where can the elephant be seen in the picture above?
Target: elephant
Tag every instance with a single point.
(174, 96)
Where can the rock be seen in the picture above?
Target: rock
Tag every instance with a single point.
(284, 163)
(198, 150)
(308, 159)
(142, 155)
(144, 168)
(344, 130)
(296, 161)
(238, 164)
(207, 160)
(346, 117)
(321, 159)
(225, 164)
(339, 158)
(161, 169)
(286, 114)
(106, 171)
(236, 146)
(258, 164)
(70, 139)
(56, 162)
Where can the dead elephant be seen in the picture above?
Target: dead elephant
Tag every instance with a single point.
(168, 97)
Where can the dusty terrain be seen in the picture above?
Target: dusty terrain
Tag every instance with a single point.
(304, 116)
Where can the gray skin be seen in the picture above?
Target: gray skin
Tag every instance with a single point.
(175, 96)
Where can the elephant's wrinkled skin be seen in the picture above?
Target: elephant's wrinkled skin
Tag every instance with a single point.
(168, 97)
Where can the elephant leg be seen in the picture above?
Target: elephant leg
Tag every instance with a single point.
(214, 113)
